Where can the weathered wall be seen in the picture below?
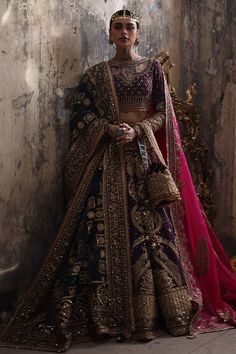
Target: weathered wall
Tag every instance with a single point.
(208, 57)
(44, 45)
(47, 44)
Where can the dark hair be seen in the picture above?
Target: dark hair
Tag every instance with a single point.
(124, 13)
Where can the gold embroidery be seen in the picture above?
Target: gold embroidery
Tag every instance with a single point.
(138, 241)
(202, 258)
(80, 125)
(146, 312)
(99, 213)
(163, 241)
(224, 314)
(99, 304)
(141, 267)
(91, 203)
(171, 268)
(116, 236)
(90, 214)
(162, 280)
(176, 309)
(102, 266)
(80, 153)
(100, 227)
(128, 71)
(100, 240)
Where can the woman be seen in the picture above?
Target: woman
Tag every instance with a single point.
(126, 262)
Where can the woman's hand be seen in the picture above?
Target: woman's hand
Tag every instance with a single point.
(129, 135)
(113, 131)
(121, 133)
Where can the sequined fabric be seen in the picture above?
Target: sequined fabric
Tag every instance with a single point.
(156, 269)
(138, 84)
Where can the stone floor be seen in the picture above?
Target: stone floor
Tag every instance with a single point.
(211, 343)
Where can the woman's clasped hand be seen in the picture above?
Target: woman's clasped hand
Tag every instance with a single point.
(122, 133)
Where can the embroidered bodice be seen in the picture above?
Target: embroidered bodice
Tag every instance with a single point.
(139, 86)
(139, 83)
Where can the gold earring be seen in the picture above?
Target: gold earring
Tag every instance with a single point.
(110, 40)
(136, 43)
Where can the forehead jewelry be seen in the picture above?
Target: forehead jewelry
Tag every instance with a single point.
(117, 16)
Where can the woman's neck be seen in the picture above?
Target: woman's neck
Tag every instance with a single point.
(125, 54)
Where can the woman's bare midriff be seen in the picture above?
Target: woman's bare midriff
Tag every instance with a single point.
(133, 117)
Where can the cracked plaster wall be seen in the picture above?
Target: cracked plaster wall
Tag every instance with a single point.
(208, 57)
(45, 45)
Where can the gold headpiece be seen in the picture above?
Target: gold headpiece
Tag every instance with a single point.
(124, 14)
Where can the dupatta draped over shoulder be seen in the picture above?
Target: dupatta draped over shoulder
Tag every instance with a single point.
(101, 275)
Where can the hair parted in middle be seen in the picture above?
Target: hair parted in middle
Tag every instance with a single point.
(121, 14)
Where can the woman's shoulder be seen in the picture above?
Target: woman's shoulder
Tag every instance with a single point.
(96, 67)
(155, 62)
(156, 66)
(96, 72)
(150, 61)
(152, 64)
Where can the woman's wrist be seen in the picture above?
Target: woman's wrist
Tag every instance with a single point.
(138, 130)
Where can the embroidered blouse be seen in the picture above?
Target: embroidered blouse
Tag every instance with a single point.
(140, 87)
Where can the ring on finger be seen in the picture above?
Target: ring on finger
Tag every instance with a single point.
(119, 132)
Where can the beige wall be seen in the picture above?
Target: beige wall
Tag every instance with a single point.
(46, 45)
(208, 52)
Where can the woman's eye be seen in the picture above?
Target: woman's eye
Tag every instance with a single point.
(130, 27)
(117, 26)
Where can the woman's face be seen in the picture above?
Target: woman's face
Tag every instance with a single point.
(124, 32)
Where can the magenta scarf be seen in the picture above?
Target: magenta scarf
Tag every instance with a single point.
(210, 278)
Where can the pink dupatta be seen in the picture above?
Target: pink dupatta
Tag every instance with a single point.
(209, 276)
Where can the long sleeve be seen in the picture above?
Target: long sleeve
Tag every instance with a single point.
(157, 120)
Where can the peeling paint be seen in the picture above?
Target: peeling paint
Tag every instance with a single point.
(22, 101)
(211, 70)
(18, 165)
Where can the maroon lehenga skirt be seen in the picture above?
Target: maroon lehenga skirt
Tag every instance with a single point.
(159, 294)
(111, 283)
